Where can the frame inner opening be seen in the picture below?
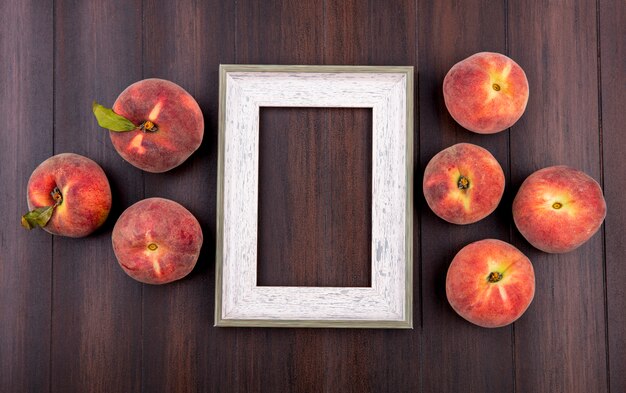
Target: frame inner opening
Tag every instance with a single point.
(315, 197)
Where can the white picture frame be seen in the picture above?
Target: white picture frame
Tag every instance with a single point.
(388, 91)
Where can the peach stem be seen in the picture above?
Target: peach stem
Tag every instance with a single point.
(148, 126)
(57, 196)
(494, 277)
(463, 183)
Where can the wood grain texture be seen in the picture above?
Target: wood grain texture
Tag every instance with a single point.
(613, 123)
(560, 344)
(94, 303)
(26, 133)
(281, 360)
(315, 215)
(448, 34)
(352, 365)
(185, 41)
(70, 320)
(373, 33)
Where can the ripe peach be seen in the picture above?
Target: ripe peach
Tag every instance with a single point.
(558, 208)
(490, 283)
(68, 195)
(486, 93)
(155, 124)
(157, 241)
(463, 183)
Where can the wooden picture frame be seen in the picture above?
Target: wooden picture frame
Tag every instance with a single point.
(388, 91)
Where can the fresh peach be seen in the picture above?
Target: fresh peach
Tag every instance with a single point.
(463, 183)
(558, 208)
(486, 93)
(155, 124)
(490, 283)
(157, 241)
(68, 195)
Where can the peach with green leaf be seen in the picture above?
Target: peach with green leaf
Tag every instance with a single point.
(154, 124)
(67, 195)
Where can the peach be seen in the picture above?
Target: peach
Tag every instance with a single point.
(155, 124)
(463, 183)
(157, 241)
(68, 195)
(490, 283)
(486, 92)
(558, 208)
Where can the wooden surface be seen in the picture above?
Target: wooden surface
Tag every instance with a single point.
(71, 320)
(319, 141)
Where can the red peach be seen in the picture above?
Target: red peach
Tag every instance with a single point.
(463, 183)
(490, 283)
(558, 208)
(162, 105)
(78, 187)
(486, 93)
(157, 241)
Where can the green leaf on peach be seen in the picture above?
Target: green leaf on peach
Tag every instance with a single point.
(38, 217)
(110, 120)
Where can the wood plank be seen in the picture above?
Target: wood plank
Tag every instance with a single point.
(450, 32)
(96, 328)
(371, 33)
(368, 33)
(315, 174)
(613, 74)
(560, 344)
(26, 99)
(279, 32)
(185, 41)
(326, 359)
(276, 32)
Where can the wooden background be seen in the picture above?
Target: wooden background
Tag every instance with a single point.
(70, 320)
